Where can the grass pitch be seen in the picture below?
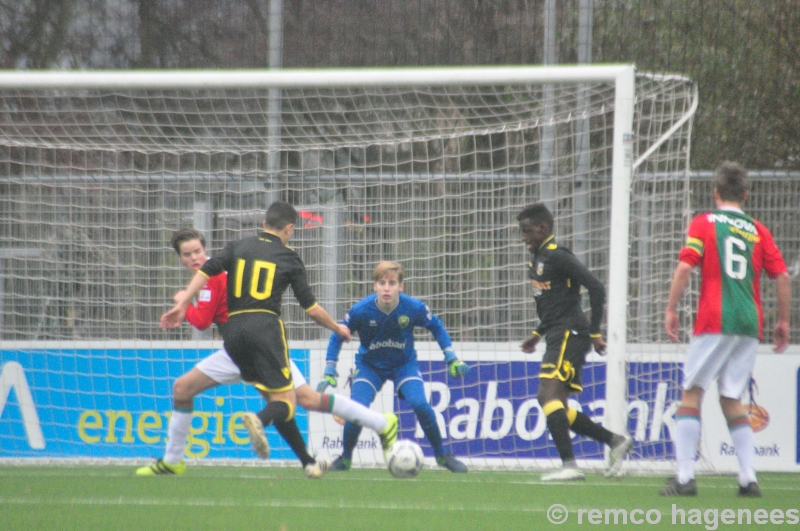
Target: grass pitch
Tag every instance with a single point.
(100, 498)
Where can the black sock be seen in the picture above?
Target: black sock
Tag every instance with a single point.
(291, 434)
(558, 424)
(276, 411)
(583, 425)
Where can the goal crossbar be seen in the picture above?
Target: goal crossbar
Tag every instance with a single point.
(249, 79)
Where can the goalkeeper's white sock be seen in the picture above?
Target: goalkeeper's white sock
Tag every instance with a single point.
(743, 441)
(178, 433)
(357, 413)
(687, 437)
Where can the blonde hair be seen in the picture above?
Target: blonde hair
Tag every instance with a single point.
(385, 267)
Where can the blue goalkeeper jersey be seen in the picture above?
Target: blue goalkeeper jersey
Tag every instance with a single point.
(387, 339)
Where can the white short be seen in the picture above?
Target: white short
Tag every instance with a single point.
(728, 359)
(221, 368)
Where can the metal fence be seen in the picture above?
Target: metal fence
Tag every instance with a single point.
(91, 259)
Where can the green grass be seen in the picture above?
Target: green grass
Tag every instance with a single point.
(55, 498)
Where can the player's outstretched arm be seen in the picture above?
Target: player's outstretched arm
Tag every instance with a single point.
(331, 359)
(455, 366)
(580, 274)
(784, 294)
(174, 317)
(322, 318)
(529, 345)
(680, 279)
(598, 344)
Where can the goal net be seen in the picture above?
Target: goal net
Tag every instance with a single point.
(427, 167)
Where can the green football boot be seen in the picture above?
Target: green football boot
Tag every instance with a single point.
(388, 434)
(161, 468)
(340, 464)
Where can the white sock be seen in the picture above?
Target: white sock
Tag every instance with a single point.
(743, 441)
(350, 410)
(687, 436)
(178, 433)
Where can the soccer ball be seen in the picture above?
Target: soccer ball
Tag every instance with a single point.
(405, 459)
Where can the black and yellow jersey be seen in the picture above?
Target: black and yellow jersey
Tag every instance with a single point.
(259, 271)
(557, 276)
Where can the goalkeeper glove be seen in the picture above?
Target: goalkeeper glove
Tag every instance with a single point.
(458, 368)
(329, 378)
(455, 366)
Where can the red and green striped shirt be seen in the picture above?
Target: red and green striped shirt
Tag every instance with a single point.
(731, 248)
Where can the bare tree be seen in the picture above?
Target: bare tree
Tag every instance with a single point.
(744, 55)
(33, 32)
(150, 35)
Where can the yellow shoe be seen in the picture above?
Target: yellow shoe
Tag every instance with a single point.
(258, 438)
(161, 468)
(388, 434)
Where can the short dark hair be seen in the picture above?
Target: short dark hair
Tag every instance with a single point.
(730, 181)
(182, 236)
(537, 213)
(280, 214)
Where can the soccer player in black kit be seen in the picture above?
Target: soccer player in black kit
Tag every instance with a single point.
(260, 269)
(557, 276)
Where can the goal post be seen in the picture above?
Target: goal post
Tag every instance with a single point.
(425, 166)
(617, 312)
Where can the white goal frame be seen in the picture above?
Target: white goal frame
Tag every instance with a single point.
(623, 77)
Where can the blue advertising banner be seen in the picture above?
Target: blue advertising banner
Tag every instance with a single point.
(84, 403)
(116, 401)
(494, 412)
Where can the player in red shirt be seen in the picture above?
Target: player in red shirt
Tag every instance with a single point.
(731, 249)
(218, 368)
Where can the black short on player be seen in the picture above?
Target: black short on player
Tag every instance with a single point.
(262, 357)
(563, 360)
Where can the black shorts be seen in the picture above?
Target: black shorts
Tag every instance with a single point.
(564, 357)
(256, 342)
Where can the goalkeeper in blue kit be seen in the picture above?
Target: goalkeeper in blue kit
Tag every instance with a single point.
(385, 325)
